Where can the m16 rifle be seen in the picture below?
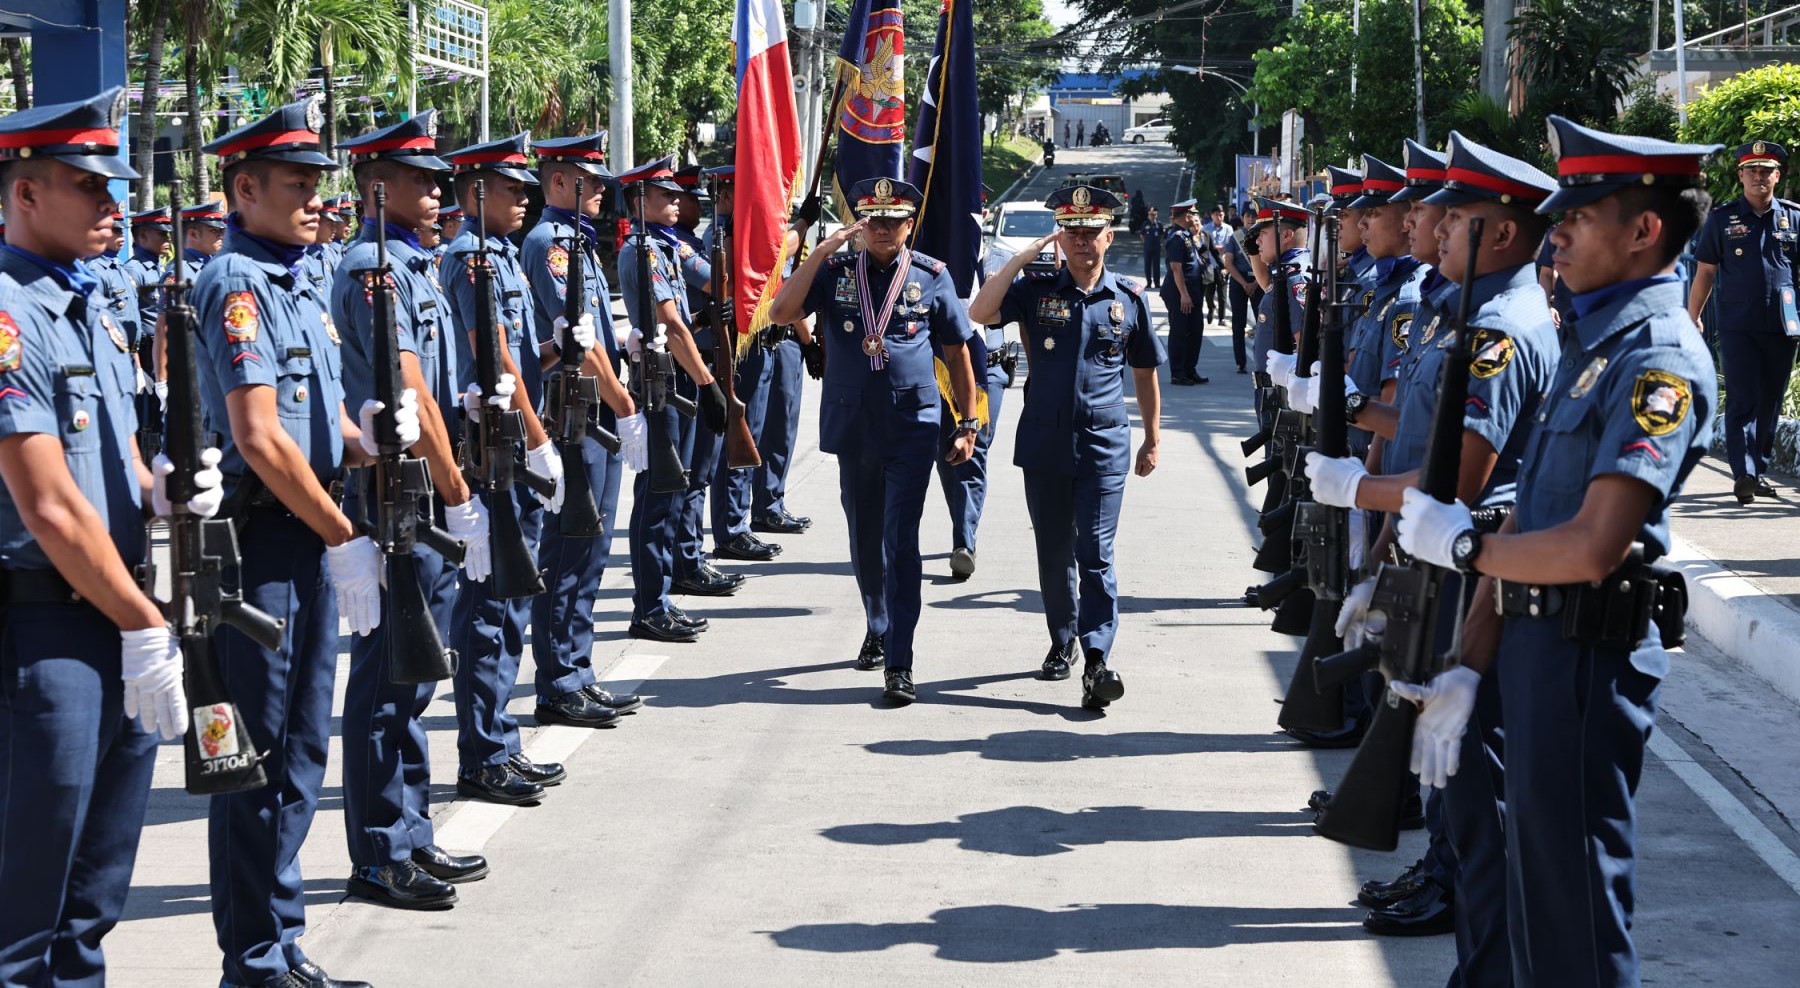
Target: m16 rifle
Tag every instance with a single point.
(656, 374)
(571, 397)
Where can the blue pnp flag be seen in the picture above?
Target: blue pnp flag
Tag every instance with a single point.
(946, 158)
(871, 104)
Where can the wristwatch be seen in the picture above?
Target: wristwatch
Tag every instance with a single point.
(1354, 403)
(1464, 549)
(969, 425)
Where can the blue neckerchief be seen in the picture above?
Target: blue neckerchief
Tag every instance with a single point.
(1292, 253)
(197, 258)
(289, 256)
(73, 276)
(565, 216)
(1384, 266)
(1433, 279)
(402, 234)
(667, 233)
(1588, 302)
(1356, 255)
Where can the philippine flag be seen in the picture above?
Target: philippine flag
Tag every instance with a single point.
(768, 159)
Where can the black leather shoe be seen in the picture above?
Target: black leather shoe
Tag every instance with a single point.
(680, 616)
(575, 709)
(1348, 736)
(781, 524)
(1412, 809)
(446, 867)
(1100, 686)
(313, 976)
(662, 628)
(402, 886)
(1056, 662)
(898, 687)
(622, 702)
(873, 654)
(1242, 369)
(499, 784)
(1429, 912)
(1745, 489)
(1183, 381)
(1766, 489)
(705, 584)
(1380, 895)
(545, 774)
(1200, 380)
(748, 548)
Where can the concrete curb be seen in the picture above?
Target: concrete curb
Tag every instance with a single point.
(1752, 629)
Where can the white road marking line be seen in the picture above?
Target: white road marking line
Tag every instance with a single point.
(1730, 810)
(475, 823)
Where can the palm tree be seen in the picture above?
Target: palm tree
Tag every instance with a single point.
(153, 19)
(1576, 60)
(282, 40)
(21, 76)
(205, 39)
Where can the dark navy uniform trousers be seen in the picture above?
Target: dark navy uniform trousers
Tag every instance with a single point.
(732, 489)
(490, 642)
(965, 484)
(655, 518)
(782, 425)
(562, 618)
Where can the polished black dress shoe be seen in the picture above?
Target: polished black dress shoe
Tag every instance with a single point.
(1766, 489)
(1412, 808)
(402, 886)
(682, 617)
(1380, 895)
(499, 784)
(897, 686)
(313, 976)
(1428, 912)
(545, 774)
(1056, 663)
(622, 702)
(446, 867)
(781, 524)
(1348, 736)
(1242, 369)
(1100, 686)
(748, 548)
(1183, 381)
(662, 628)
(1745, 489)
(1203, 379)
(707, 584)
(576, 709)
(873, 654)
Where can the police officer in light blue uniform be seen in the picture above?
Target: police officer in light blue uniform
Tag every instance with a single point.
(268, 353)
(1425, 174)
(93, 674)
(882, 311)
(654, 516)
(1749, 248)
(796, 355)
(1377, 340)
(562, 618)
(1083, 326)
(966, 484)
(204, 229)
(1619, 430)
(1280, 232)
(117, 285)
(394, 857)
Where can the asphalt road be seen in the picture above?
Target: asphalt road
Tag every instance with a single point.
(767, 820)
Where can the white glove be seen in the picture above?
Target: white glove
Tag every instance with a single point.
(144, 384)
(150, 664)
(355, 573)
(1334, 479)
(1428, 527)
(406, 421)
(1303, 393)
(162, 394)
(547, 460)
(1445, 705)
(1352, 622)
(1281, 368)
(632, 340)
(209, 481)
(468, 523)
(583, 332)
(634, 441)
(500, 399)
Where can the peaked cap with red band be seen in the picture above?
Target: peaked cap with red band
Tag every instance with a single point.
(1425, 170)
(505, 157)
(157, 219)
(587, 152)
(692, 180)
(83, 134)
(1380, 181)
(411, 142)
(209, 213)
(1762, 153)
(1592, 164)
(660, 173)
(1473, 172)
(290, 134)
(1345, 185)
(1270, 210)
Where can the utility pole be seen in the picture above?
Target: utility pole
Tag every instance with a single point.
(1494, 44)
(1655, 24)
(1680, 64)
(620, 134)
(1418, 74)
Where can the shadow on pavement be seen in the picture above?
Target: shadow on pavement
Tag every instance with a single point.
(161, 901)
(996, 934)
(1033, 831)
(774, 686)
(1069, 746)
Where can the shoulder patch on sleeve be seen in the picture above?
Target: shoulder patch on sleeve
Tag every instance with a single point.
(12, 348)
(558, 260)
(242, 318)
(1493, 350)
(683, 249)
(1400, 329)
(1660, 401)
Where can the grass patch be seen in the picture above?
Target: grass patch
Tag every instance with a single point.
(1003, 163)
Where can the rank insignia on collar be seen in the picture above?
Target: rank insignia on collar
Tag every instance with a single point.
(1493, 351)
(559, 262)
(1589, 375)
(1660, 401)
(242, 320)
(114, 333)
(12, 349)
(1116, 312)
(331, 332)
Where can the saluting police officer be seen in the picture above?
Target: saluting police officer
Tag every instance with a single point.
(654, 516)
(882, 308)
(394, 858)
(1749, 248)
(270, 384)
(562, 618)
(1623, 424)
(1083, 326)
(93, 673)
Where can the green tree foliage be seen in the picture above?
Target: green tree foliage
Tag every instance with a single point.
(1575, 58)
(1651, 114)
(1762, 104)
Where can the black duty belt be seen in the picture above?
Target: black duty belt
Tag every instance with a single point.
(1616, 612)
(996, 357)
(36, 586)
